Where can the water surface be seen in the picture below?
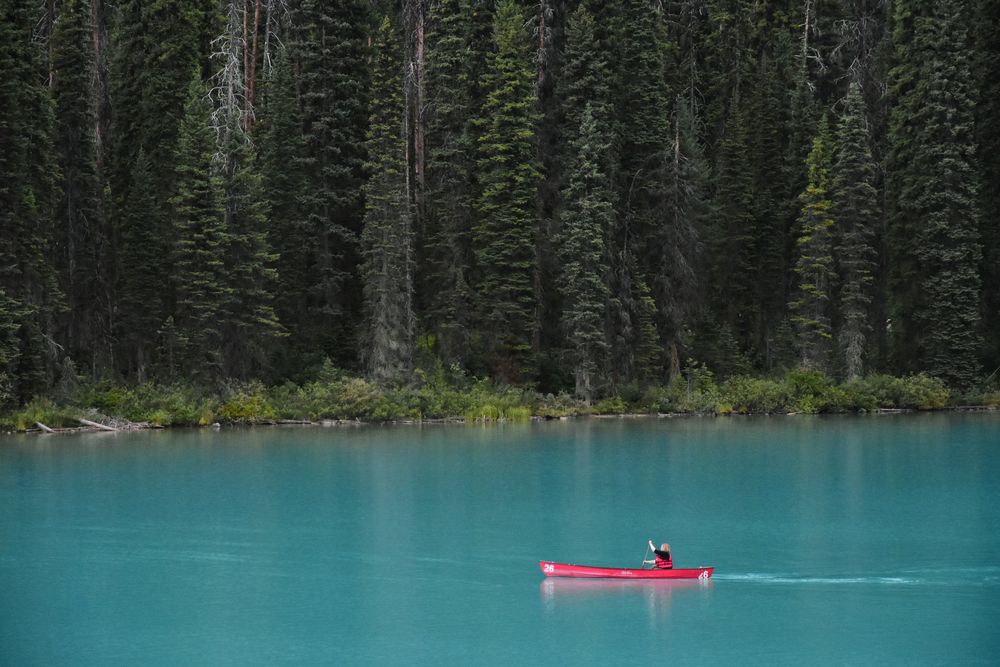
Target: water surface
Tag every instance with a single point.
(845, 540)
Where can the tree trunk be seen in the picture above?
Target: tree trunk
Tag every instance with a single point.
(253, 64)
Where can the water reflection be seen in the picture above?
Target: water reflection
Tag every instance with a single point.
(658, 596)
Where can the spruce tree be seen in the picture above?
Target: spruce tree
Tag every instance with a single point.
(387, 236)
(810, 305)
(249, 322)
(156, 45)
(329, 46)
(933, 190)
(767, 102)
(987, 50)
(506, 227)
(200, 243)
(643, 136)
(82, 242)
(142, 254)
(282, 161)
(674, 246)
(731, 270)
(444, 291)
(857, 208)
(584, 80)
(27, 187)
(586, 217)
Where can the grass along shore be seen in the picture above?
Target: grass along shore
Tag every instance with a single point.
(334, 395)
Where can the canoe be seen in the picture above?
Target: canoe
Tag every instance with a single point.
(551, 569)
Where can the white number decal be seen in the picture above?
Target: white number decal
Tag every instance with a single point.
(548, 567)
(703, 575)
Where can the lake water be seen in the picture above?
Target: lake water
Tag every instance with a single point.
(836, 541)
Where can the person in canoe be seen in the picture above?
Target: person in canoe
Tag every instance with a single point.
(663, 560)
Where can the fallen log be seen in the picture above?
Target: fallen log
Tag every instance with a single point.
(87, 422)
(44, 427)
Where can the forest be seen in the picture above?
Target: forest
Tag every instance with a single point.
(582, 198)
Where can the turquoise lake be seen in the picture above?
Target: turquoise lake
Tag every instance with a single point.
(871, 540)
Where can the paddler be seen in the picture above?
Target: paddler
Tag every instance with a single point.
(663, 560)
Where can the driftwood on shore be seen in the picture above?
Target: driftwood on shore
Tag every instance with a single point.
(44, 427)
(103, 427)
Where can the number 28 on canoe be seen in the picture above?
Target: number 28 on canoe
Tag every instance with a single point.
(550, 569)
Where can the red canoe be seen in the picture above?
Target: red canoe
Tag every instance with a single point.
(551, 569)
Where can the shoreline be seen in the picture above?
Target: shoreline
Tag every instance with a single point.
(118, 426)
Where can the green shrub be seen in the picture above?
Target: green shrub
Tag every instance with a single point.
(920, 392)
(45, 411)
(247, 406)
(485, 412)
(923, 392)
(749, 395)
(809, 390)
(613, 405)
(559, 405)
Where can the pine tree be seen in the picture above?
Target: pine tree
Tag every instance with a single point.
(856, 203)
(200, 243)
(987, 48)
(506, 227)
(142, 265)
(446, 251)
(933, 192)
(387, 236)
(250, 324)
(9, 348)
(282, 160)
(767, 102)
(643, 136)
(584, 80)
(156, 45)
(82, 241)
(674, 246)
(329, 46)
(730, 246)
(28, 176)
(814, 266)
(586, 217)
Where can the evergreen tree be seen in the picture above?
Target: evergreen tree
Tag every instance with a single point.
(643, 137)
(987, 48)
(586, 217)
(731, 271)
(674, 247)
(387, 236)
(283, 177)
(142, 266)
(200, 243)
(773, 197)
(82, 238)
(585, 80)
(329, 46)
(250, 324)
(8, 347)
(446, 252)
(157, 44)
(506, 227)
(814, 266)
(934, 195)
(28, 176)
(856, 203)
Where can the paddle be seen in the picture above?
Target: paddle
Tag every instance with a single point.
(644, 560)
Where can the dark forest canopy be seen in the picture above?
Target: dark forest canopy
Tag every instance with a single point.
(573, 195)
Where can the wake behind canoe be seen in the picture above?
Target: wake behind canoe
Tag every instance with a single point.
(551, 569)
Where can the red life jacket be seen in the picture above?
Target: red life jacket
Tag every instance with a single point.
(664, 563)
